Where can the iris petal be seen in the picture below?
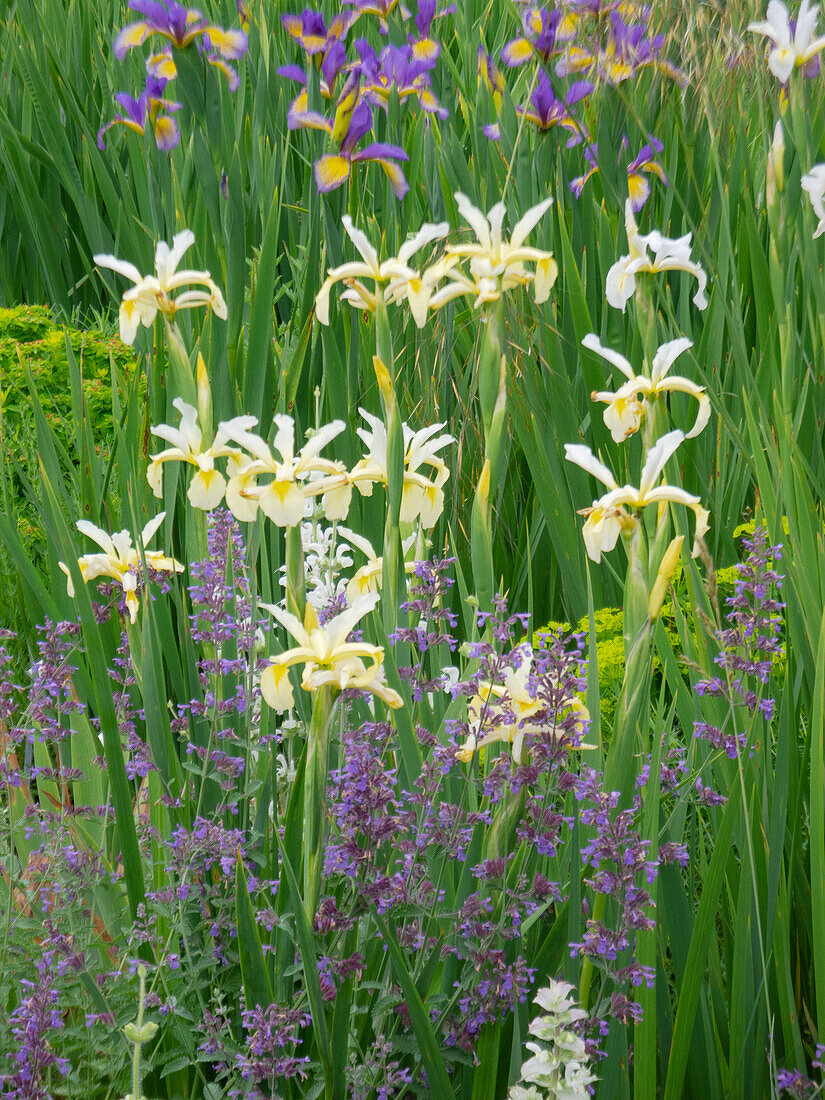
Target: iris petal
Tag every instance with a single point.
(135, 34)
(330, 172)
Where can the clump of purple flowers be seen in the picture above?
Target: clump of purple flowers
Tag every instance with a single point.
(621, 867)
(272, 1035)
(748, 646)
(792, 1082)
(36, 1016)
(179, 28)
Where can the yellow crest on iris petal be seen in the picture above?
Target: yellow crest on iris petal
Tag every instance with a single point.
(638, 188)
(425, 50)
(133, 35)
(517, 51)
(331, 171)
(165, 130)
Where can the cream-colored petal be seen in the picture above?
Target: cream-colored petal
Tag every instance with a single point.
(666, 356)
(476, 220)
(525, 224)
(206, 489)
(656, 460)
(593, 343)
(276, 687)
(122, 267)
(98, 535)
(584, 457)
(151, 527)
(362, 243)
(428, 233)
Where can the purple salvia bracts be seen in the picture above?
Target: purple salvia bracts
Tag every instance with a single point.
(272, 1036)
(52, 697)
(618, 857)
(223, 611)
(748, 647)
(31, 1023)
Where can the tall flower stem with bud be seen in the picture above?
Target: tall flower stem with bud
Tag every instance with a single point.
(393, 566)
(138, 1033)
(296, 599)
(492, 396)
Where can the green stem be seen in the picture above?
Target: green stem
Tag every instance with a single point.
(296, 600)
(315, 783)
(492, 397)
(393, 565)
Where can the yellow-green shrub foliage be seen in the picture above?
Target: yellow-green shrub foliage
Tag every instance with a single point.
(609, 653)
(30, 338)
(609, 624)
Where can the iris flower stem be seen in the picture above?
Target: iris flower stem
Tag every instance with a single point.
(630, 724)
(180, 367)
(637, 642)
(806, 154)
(296, 599)
(492, 395)
(315, 784)
(646, 317)
(393, 564)
(136, 1090)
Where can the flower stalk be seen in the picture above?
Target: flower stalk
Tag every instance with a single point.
(315, 785)
(138, 1033)
(393, 577)
(492, 396)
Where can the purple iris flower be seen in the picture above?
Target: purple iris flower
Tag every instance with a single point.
(642, 166)
(396, 67)
(334, 169)
(352, 121)
(590, 154)
(334, 61)
(630, 8)
(152, 108)
(313, 35)
(545, 32)
(181, 27)
(381, 8)
(489, 74)
(425, 47)
(626, 52)
(548, 111)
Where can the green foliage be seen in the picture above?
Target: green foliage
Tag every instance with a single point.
(33, 354)
(31, 341)
(738, 947)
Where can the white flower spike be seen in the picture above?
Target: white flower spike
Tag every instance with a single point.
(150, 293)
